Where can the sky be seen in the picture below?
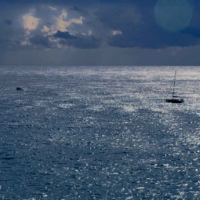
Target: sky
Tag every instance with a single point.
(100, 32)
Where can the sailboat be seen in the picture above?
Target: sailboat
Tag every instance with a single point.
(174, 98)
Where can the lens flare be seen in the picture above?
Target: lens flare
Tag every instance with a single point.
(173, 15)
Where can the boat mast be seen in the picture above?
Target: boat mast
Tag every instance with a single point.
(173, 93)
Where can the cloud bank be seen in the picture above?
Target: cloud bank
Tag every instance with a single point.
(99, 24)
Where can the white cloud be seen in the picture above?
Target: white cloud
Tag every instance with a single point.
(55, 24)
(45, 29)
(89, 32)
(30, 22)
(52, 8)
(116, 32)
(63, 24)
(77, 21)
(24, 43)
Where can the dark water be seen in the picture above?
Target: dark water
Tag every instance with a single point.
(99, 133)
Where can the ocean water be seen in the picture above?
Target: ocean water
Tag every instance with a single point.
(99, 133)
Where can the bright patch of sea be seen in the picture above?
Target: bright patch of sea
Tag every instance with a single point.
(99, 133)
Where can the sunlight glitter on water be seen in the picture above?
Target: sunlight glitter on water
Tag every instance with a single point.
(99, 133)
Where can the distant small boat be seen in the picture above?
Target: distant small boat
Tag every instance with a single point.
(174, 98)
(19, 88)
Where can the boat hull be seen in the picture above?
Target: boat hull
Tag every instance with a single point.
(19, 88)
(174, 100)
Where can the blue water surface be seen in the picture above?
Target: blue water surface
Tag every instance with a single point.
(99, 133)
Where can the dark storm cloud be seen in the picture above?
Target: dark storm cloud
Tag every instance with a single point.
(140, 2)
(153, 40)
(75, 8)
(64, 35)
(8, 21)
(134, 18)
(193, 32)
(78, 41)
(4, 41)
(96, 26)
(119, 17)
(139, 28)
(40, 40)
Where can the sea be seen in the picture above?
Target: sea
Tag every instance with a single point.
(99, 132)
